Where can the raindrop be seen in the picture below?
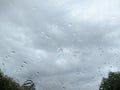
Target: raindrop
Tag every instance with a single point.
(25, 62)
(110, 66)
(102, 51)
(64, 87)
(69, 25)
(44, 35)
(99, 69)
(29, 84)
(93, 77)
(3, 64)
(22, 66)
(113, 17)
(105, 63)
(101, 74)
(4, 59)
(12, 52)
(74, 55)
(60, 52)
(37, 73)
(6, 56)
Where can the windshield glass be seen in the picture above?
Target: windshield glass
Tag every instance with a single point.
(59, 44)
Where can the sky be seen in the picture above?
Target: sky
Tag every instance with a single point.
(60, 45)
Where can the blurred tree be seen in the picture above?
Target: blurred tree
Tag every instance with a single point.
(112, 82)
(7, 83)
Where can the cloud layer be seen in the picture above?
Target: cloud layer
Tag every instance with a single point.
(67, 44)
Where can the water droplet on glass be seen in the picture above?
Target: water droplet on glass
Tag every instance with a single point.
(12, 52)
(22, 66)
(6, 56)
(69, 25)
(60, 52)
(64, 87)
(3, 64)
(25, 62)
(110, 66)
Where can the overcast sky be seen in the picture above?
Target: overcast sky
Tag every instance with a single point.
(60, 44)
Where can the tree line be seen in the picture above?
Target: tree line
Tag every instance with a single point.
(112, 82)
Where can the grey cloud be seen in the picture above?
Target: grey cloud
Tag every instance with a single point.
(59, 44)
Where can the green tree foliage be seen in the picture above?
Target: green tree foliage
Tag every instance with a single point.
(112, 82)
(7, 83)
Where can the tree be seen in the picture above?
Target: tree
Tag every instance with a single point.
(7, 83)
(112, 82)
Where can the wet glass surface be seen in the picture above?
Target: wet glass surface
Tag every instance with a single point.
(60, 45)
